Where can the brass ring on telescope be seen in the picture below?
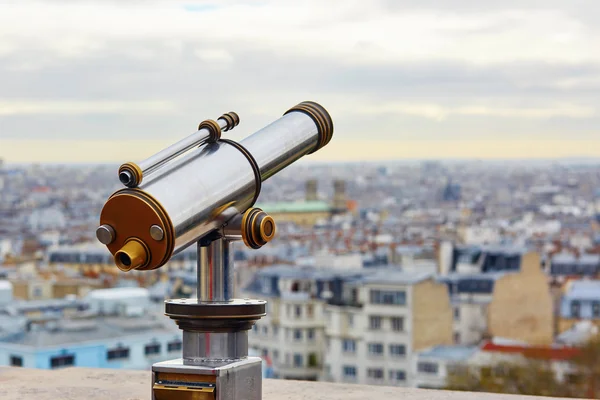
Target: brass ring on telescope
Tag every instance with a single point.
(131, 213)
(328, 119)
(253, 164)
(321, 118)
(213, 128)
(134, 171)
(246, 227)
(228, 121)
(232, 120)
(236, 118)
(257, 228)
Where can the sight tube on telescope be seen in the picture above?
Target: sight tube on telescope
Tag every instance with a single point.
(132, 174)
(204, 188)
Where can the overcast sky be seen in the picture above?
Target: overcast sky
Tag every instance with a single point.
(119, 80)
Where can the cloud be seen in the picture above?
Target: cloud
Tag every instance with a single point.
(60, 107)
(105, 70)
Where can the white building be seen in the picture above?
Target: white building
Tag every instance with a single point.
(432, 366)
(126, 300)
(383, 319)
(292, 334)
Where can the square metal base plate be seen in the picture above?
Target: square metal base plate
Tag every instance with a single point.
(232, 380)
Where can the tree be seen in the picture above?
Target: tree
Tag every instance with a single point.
(586, 374)
(531, 377)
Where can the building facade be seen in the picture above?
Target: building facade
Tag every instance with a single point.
(382, 321)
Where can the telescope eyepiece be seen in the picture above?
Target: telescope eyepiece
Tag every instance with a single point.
(125, 178)
(131, 256)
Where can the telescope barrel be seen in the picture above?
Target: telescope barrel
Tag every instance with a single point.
(208, 131)
(206, 187)
(292, 136)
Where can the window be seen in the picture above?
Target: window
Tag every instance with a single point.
(456, 314)
(298, 311)
(16, 361)
(265, 352)
(310, 309)
(275, 331)
(265, 330)
(174, 345)
(396, 375)
(298, 360)
(297, 334)
(118, 353)
(375, 373)
(349, 346)
(596, 309)
(575, 307)
(397, 324)
(349, 371)
(313, 360)
(456, 338)
(153, 348)
(374, 323)
(65, 360)
(354, 296)
(275, 355)
(375, 349)
(397, 350)
(427, 367)
(287, 333)
(255, 328)
(350, 320)
(396, 297)
(310, 334)
(37, 291)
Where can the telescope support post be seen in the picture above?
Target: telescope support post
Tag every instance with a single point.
(215, 272)
(215, 363)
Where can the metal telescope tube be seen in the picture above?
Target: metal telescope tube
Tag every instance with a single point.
(130, 174)
(205, 187)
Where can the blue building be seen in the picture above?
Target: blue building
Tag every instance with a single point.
(581, 301)
(566, 264)
(110, 328)
(117, 342)
(486, 258)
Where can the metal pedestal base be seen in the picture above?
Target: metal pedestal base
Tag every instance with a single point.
(215, 363)
(235, 380)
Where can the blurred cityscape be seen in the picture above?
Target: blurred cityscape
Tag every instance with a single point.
(398, 273)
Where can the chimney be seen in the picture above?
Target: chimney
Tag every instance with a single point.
(339, 194)
(311, 190)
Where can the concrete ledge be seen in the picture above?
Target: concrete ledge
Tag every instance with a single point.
(111, 384)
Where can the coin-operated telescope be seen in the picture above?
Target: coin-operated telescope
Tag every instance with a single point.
(202, 190)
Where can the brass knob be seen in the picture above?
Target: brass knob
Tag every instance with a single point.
(258, 228)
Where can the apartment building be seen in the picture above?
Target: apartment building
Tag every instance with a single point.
(509, 297)
(580, 302)
(292, 335)
(384, 318)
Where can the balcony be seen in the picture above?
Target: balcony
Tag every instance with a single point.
(91, 384)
